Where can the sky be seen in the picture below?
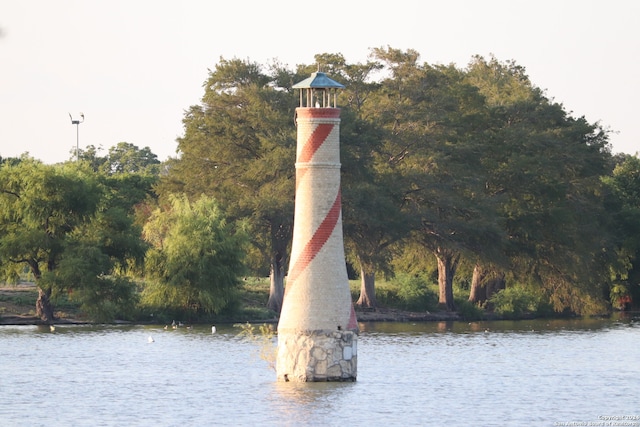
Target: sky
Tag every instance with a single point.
(133, 67)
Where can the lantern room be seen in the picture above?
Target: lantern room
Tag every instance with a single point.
(318, 91)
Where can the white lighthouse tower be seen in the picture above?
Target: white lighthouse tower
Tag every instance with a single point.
(317, 331)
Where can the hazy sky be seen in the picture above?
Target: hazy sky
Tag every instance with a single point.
(133, 66)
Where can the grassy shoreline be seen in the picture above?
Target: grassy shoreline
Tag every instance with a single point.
(17, 307)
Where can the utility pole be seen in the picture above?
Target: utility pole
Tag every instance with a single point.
(77, 123)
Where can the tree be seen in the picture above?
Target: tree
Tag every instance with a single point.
(57, 221)
(372, 225)
(372, 217)
(239, 147)
(486, 281)
(543, 169)
(92, 269)
(122, 158)
(196, 257)
(75, 232)
(435, 124)
(126, 157)
(624, 204)
(41, 205)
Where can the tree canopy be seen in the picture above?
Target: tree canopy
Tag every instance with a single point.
(475, 165)
(196, 257)
(59, 222)
(446, 172)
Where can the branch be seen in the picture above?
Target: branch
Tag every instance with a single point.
(11, 192)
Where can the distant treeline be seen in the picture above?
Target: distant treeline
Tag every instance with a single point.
(470, 179)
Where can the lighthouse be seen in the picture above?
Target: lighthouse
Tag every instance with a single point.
(317, 330)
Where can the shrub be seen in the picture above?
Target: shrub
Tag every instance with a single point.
(414, 293)
(468, 310)
(515, 301)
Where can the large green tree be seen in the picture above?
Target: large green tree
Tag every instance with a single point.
(239, 147)
(59, 221)
(93, 267)
(543, 170)
(195, 260)
(624, 204)
(434, 124)
(41, 206)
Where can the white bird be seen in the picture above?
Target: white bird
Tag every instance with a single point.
(150, 339)
(52, 328)
(213, 329)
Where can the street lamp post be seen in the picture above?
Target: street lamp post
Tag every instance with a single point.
(77, 123)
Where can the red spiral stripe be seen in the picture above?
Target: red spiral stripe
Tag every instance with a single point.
(319, 238)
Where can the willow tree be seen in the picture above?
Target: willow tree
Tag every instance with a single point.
(196, 257)
(239, 147)
(62, 224)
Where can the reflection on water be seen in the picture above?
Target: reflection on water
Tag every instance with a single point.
(426, 373)
(310, 403)
(515, 326)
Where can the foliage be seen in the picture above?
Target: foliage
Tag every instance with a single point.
(239, 147)
(41, 206)
(122, 158)
(473, 165)
(195, 259)
(469, 311)
(83, 273)
(623, 201)
(442, 168)
(519, 300)
(407, 292)
(544, 168)
(65, 223)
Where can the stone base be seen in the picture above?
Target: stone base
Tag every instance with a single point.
(312, 356)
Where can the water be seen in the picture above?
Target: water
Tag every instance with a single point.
(542, 373)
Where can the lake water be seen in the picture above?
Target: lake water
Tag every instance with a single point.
(525, 373)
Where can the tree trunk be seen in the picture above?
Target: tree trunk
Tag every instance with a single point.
(495, 284)
(44, 309)
(367, 289)
(478, 292)
(485, 283)
(447, 265)
(276, 288)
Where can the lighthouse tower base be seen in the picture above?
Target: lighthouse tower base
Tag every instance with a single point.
(314, 356)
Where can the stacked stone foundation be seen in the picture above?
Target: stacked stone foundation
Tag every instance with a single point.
(316, 356)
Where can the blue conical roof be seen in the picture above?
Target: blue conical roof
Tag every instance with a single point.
(316, 81)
